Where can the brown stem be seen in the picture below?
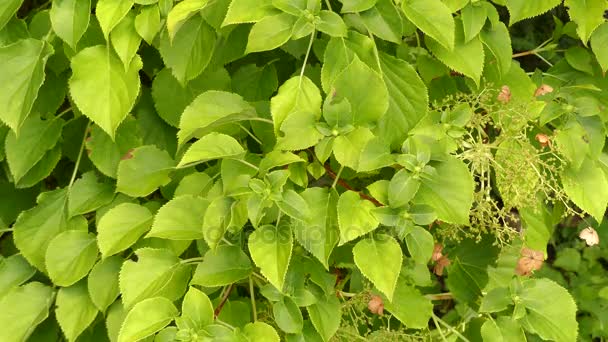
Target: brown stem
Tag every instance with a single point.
(347, 186)
(223, 301)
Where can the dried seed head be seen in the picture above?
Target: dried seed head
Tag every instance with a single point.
(437, 252)
(531, 260)
(376, 305)
(441, 264)
(543, 89)
(543, 139)
(505, 94)
(590, 236)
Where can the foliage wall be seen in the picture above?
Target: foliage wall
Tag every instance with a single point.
(303, 170)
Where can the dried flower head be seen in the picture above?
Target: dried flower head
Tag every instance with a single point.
(505, 94)
(441, 264)
(543, 89)
(437, 252)
(376, 305)
(543, 139)
(531, 260)
(590, 236)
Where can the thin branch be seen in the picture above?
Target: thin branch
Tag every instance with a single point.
(346, 186)
(223, 301)
(252, 295)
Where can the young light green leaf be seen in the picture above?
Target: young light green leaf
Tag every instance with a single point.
(125, 39)
(197, 308)
(270, 248)
(350, 6)
(121, 226)
(74, 310)
(379, 259)
(524, 9)
(248, 11)
(190, 51)
(87, 194)
(210, 110)
(70, 19)
(8, 10)
(409, 306)
(467, 58)
(325, 316)
(110, 12)
(222, 266)
(332, 24)
(14, 271)
(146, 318)
(182, 12)
(30, 303)
(299, 131)
(36, 137)
(180, 219)
(433, 18)
(599, 41)
(384, 20)
(473, 18)
(277, 158)
(36, 227)
(420, 244)
(270, 32)
(101, 87)
(70, 256)
(502, 329)
(296, 94)
(587, 187)
(211, 146)
(102, 282)
(147, 23)
(347, 148)
(497, 39)
(260, 331)
(42, 169)
(354, 216)
(402, 189)
(21, 74)
(287, 315)
(217, 219)
(143, 170)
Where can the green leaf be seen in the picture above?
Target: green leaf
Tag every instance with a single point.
(587, 14)
(524, 9)
(101, 88)
(354, 216)
(325, 316)
(15, 29)
(222, 266)
(497, 39)
(255, 83)
(359, 79)
(180, 219)
(35, 228)
(42, 169)
(190, 51)
(449, 192)
(36, 137)
(21, 75)
(147, 23)
(420, 244)
(379, 260)
(103, 282)
(599, 39)
(473, 18)
(296, 94)
(87, 195)
(580, 59)
(146, 318)
(121, 227)
(107, 154)
(217, 219)
(197, 308)
(402, 189)
(70, 19)
(384, 20)
(287, 316)
(465, 57)
(299, 132)
(154, 274)
(211, 146)
(502, 329)
(8, 10)
(277, 158)
(348, 148)
(587, 187)
(210, 110)
(110, 12)
(143, 170)
(270, 248)
(320, 234)
(248, 11)
(14, 271)
(70, 256)
(171, 98)
(518, 185)
(75, 311)
(270, 32)
(22, 309)
(182, 12)
(349, 6)
(433, 18)
(332, 24)
(125, 39)
(410, 306)
(553, 319)
(260, 331)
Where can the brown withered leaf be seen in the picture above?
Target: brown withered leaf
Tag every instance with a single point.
(441, 264)
(437, 252)
(590, 236)
(505, 94)
(543, 90)
(376, 305)
(531, 260)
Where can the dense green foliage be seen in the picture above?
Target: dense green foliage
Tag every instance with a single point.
(303, 170)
